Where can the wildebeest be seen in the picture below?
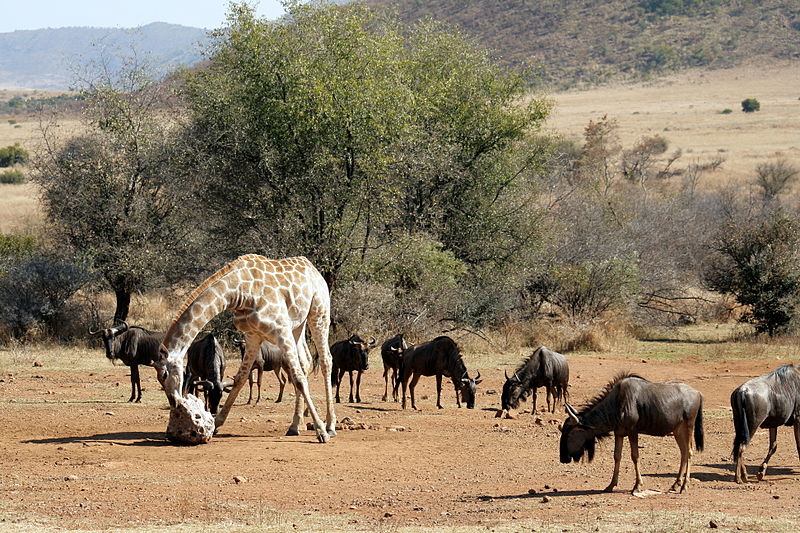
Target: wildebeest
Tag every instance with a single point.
(133, 346)
(438, 357)
(768, 401)
(350, 355)
(391, 351)
(630, 405)
(205, 369)
(543, 368)
(268, 359)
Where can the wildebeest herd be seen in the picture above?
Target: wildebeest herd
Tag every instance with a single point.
(629, 405)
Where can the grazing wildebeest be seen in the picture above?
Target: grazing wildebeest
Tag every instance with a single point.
(205, 369)
(391, 351)
(543, 368)
(630, 405)
(269, 358)
(133, 346)
(439, 357)
(768, 401)
(349, 355)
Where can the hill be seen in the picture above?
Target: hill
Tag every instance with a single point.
(590, 41)
(46, 59)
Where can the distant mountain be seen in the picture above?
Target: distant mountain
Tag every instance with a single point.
(592, 41)
(48, 58)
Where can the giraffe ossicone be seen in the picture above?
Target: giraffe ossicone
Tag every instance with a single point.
(272, 300)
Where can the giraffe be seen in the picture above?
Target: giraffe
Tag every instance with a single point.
(272, 300)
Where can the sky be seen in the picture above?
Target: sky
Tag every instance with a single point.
(37, 14)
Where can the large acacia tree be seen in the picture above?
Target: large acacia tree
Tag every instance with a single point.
(333, 133)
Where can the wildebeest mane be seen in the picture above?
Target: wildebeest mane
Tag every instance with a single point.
(593, 411)
(136, 341)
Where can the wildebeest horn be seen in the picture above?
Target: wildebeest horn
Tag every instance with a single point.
(506, 373)
(227, 386)
(202, 385)
(572, 413)
(118, 330)
(478, 376)
(94, 333)
(516, 377)
(372, 342)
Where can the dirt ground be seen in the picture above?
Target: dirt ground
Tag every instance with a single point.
(75, 455)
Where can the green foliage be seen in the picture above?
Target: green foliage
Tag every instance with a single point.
(19, 105)
(12, 175)
(758, 262)
(35, 290)
(726, 111)
(750, 105)
(678, 7)
(13, 155)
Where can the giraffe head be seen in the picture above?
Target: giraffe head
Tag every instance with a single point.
(169, 372)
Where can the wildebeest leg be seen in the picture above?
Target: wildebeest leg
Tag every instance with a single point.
(411, 386)
(797, 436)
(618, 442)
(358, 386)
(549, 389)
(350, 373)
(740, 469)
(386, 384)
(260, 374)
(339, 376)
(135, 383)
(633, 440)
(683, 436)
(395, 377)
(281, 384)
(533, 400)
(439, 392)
(773, 446)
(250, 385)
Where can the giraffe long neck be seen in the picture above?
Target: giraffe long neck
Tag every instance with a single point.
(208, 304)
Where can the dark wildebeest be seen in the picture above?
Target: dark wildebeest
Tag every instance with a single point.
(768, 401)
(391, 351)
(269, 358)
(350, 355)
(544, 368)
(630, 405)
(205, 369)
(439, 357)
(133, 346)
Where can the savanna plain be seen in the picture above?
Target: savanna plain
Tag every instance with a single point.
(74, 455)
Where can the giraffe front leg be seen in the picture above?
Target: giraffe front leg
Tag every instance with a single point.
(297, 419)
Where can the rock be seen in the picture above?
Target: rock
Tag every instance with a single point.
(189, 422)
(538, 421)
(546, 499)
(346, 421)
(71, 477)
(395, 428)
(490, 392)
(38, 363)
(713, 524)
(109, 413)
(387, 515)
(239, 479)
(531, 491)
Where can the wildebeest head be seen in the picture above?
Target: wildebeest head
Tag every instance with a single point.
(469, 389)
(513, 391)
(363, 346)
(108, 335)
(576, 438)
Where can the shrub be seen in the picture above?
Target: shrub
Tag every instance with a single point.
(12, 175)
(749, 105)
(727, 111)
(13, 155)
(35, 290)
(13, 247)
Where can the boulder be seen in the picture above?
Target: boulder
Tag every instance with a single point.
(189, 422)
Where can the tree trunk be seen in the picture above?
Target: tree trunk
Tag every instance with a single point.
(123, 305)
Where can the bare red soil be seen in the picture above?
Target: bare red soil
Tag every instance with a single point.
(73, 452)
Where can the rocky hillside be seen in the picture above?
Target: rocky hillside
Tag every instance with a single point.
(591, 41)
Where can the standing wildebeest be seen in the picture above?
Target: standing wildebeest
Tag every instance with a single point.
(205, 369)
(133, 346)
(268, 358)
(391, 351)
(439, 357)
(768, 401)
(544, 368)
(349, 355)
(630, 405)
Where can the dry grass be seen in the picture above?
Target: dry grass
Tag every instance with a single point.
(686, 110)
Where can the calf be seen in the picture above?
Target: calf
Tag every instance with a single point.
(439, 357)
(204, 371)
(391, 351)
(350, 355)
(544, 368)
(268, 358)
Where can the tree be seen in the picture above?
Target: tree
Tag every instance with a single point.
(749, 105)
(343, 132)
(758, 262)
(108, 192)
(13, 155)
(775, 177)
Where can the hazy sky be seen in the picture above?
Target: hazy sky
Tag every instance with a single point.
(36, 14)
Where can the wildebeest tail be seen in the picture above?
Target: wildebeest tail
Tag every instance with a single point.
(740, 423)
(699, 436)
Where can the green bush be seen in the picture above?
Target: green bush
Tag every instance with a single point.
(13, 155)
(12, 175)
(750, 105)
(727, 111)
